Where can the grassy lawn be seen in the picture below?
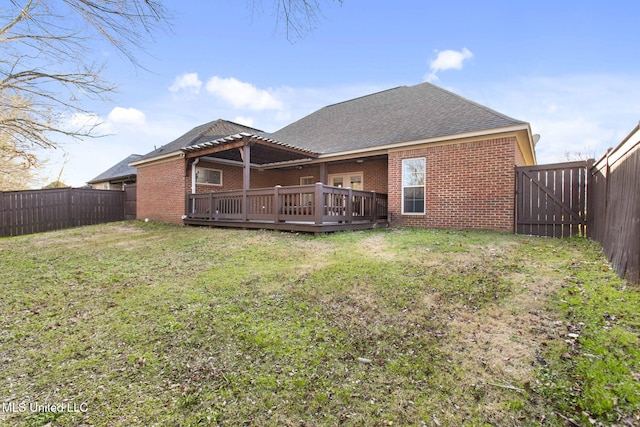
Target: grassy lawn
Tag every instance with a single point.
(139, 324)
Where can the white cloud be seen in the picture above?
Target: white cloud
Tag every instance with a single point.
(247, 121)
(447, 60)
(127, 116)
(188, 82)
(81, 122)
(243, 95)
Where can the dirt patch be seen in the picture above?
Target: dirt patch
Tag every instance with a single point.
(376, 246)
(498, 348)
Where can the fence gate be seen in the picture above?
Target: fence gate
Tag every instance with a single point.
(551, 199)
(130, 199)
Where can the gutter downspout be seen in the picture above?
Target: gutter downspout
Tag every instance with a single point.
(193, 175)
(193, 182)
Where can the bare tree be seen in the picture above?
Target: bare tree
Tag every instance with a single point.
(572, 156)
(47, 73)
(298, 17)
(46, 70)
(14, 173)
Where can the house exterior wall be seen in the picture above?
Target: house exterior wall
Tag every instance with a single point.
(520, 161)
(161, 190)
(102, 186)
(469, 185)
(231, 178)
(374, 175)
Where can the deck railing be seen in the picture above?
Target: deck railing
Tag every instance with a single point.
(316, 203)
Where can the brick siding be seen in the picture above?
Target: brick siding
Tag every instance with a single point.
(374, 171)
(468, 185)
(162, 187)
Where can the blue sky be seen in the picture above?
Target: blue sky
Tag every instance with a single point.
(571, 69)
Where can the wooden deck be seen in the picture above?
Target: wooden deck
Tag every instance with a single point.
(316, 208)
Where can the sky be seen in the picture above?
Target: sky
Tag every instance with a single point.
(570, 69)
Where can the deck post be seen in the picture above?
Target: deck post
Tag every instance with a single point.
(374, 207)
(349, 212)
(277, 204)
(319, 202)
(211, 207)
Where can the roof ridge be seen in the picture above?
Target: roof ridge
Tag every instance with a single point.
(206, 127)
(484, 107)
(361, 97)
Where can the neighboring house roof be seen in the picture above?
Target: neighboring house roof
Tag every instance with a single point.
(118, 171)
(212, 131)
(406, 113)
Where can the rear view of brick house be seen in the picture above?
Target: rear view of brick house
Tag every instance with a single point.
(440, 160)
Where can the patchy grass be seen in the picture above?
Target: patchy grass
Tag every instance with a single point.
(151, 324)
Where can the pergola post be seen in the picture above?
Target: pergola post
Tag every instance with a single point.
(245, 152)
(323, 173)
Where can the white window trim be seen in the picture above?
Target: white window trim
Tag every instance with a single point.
(209, 183)
(348, 174)
(424, 206)
(303, 177)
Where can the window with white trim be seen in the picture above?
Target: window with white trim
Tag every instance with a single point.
(208, 176)
(306, 180)
(413, 186)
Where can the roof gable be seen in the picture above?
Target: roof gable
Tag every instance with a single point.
(406, 113)
(119, 170)
(207, 132)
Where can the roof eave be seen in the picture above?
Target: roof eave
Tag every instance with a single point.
(176, 153)
(114, 178)
(444, 138)
(381, 149)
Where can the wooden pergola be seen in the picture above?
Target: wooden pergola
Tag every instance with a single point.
(309, 208)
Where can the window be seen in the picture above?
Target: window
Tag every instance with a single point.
(413, 179)
(306, 180)
(208, 176)
(353, 180)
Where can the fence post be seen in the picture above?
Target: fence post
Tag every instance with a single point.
(70, 218)
(589, 205)
(2, 218)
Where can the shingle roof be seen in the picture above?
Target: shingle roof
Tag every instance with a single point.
(207, 132)
(402, 114)
(119, 170)
(406, 113)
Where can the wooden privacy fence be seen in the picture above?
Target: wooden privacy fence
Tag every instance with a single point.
(551, 199)
(614, 206)
(130, 201)
(34, 211)
(601, 201)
